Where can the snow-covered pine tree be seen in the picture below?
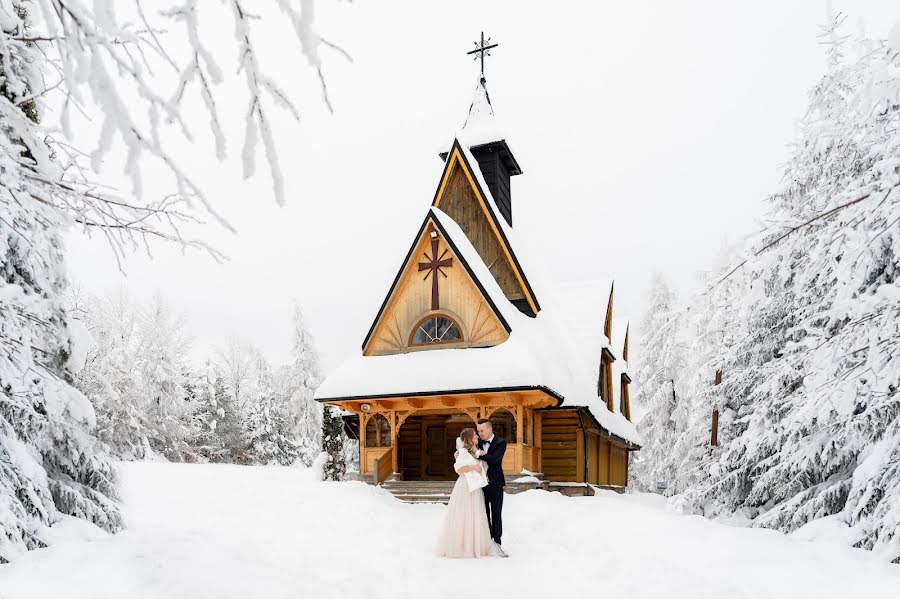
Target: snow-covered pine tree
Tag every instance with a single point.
(351, 453)
(101, 64)
(269, 427)
(814, 379)
(236, 364)
(160, 359)
(50, 461)
(260, 429)
(332, 443)
(230, 425)
(110, 379)
(710, 328)
(269, 433)
(205, 441)
(305, 374)
(660, 365)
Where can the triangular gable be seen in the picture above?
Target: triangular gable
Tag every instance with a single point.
(409, 298)
(492, 245)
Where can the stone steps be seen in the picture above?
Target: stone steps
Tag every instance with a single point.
(420, 491)
(438, 491)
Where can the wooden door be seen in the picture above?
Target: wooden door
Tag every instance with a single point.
(436, 460)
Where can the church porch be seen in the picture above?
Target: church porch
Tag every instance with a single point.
(413, 438)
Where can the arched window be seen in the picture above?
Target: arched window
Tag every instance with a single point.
(435, 329)
(504, 425)
(378, 432)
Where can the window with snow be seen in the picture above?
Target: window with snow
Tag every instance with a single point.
(435, 329)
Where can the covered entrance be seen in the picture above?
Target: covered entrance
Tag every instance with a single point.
(415, 437)
(426, 445)
(427, 442)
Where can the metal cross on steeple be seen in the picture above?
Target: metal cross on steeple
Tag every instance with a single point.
(482, 49)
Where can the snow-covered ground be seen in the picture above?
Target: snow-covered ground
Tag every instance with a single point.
(221, 531)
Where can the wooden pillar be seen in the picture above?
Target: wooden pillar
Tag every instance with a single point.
(536, 422)
(395, 436)
(363, 420)
(520, 437)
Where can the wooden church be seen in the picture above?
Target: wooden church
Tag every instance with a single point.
(467, 330)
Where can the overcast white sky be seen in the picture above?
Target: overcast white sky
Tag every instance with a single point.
(649, 134)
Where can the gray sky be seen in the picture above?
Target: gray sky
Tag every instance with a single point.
(649, 134)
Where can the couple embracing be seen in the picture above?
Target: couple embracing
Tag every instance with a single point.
(474, 523)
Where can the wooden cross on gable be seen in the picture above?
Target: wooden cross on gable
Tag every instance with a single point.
(433, 266)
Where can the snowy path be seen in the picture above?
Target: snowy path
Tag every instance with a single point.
(240, 532)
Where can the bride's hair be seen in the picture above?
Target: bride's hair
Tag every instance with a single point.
(468, 438)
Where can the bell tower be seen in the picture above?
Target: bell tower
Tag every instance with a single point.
(486, 141)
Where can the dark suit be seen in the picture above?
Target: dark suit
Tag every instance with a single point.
(493, 492)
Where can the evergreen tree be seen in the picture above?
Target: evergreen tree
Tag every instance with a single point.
(230, 427)
(111, 380)
(50, 461)
(815, 379)
(269, 437)
(660, 365)
(160, 356)
(807, 328)
(304, 377)
(332, 444)
(205, 441)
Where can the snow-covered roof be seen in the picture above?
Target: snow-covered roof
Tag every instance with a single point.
(482, 127)
(551, 351)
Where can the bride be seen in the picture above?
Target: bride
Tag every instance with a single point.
(465, 531)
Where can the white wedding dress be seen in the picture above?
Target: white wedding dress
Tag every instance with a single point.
(465, 531)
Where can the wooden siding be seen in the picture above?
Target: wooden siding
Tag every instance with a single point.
(594, 459)
(607, 459)
(458, 296)
(460, 202)
(618, 466)
(560, 439)
(603, 456)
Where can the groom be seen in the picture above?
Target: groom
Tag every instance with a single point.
(491, 449)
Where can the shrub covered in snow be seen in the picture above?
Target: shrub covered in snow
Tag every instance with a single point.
(332, 444)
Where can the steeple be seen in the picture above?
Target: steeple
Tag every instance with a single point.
(485, 139)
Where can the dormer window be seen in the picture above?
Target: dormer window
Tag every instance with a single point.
(435, 329)
(624, 400)
(604, 380)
